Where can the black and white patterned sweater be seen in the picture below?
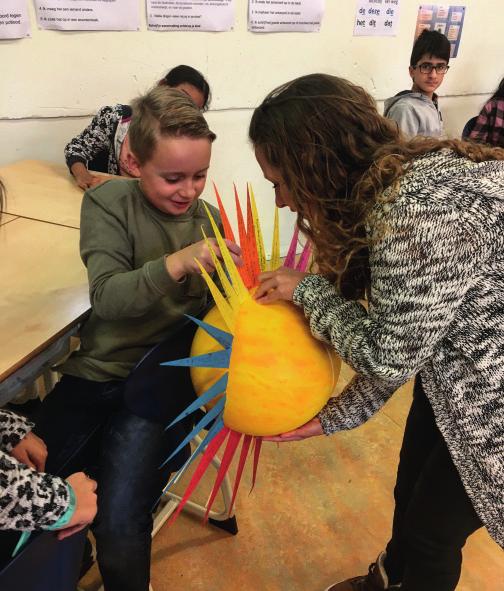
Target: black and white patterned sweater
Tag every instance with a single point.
(104, 136)
(28, 499)
(436, 308)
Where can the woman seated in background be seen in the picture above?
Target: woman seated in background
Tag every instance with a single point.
(103, 146)
(489, 126)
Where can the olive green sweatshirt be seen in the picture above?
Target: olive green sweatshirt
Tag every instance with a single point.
(135, 303)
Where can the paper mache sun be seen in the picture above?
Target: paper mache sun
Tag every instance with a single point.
(256, 368)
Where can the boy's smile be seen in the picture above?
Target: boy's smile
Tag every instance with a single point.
(175, 175)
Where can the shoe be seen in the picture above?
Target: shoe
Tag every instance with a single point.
(375, 580)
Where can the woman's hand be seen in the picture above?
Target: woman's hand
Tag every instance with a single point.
(309, 429)
(32, 451)
(84, 178)
(278, 285)
(86, 504)
(182, 263)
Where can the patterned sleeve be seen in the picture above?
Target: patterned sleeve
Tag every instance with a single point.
(97, 137)
(12, 429)
(481, 130)
(420, 272)
(29, 499)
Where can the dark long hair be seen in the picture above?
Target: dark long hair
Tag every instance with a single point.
(499, 93)
(188, 75)
(337, 155)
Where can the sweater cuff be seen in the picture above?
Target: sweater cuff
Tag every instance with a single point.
(73, 159)
(161, 280)
(18, 429)
(310, 282)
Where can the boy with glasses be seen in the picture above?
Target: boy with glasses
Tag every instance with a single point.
(416, 111)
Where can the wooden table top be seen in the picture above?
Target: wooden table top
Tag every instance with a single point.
(42, 191)
(44, 288)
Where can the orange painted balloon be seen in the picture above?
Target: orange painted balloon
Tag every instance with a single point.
(280, 376)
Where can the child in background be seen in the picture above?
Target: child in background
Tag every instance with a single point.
(423, 221)
(416, 111)
(104, 144)
(139, 241)
(489, 126)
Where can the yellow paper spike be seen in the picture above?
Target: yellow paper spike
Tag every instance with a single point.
(226, 285)
(220, 301)
(236, 281)
(275, 247)
(257, 230)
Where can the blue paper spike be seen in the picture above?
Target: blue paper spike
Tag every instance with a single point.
(212, 432)
(216, 389)
(222, 337)
(217, 359)
(208, 418)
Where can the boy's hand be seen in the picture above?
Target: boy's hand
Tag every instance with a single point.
(182, 263)
(86, 504)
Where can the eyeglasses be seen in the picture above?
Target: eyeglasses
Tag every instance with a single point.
(427, 67)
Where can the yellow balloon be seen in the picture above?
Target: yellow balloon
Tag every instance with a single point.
(280, 376)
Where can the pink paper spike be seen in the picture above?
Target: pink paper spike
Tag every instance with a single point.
(290, 259)
(304, 259)
(211, 450)
(239, 470)
(232, 444)
(257, 451)
(228, 230)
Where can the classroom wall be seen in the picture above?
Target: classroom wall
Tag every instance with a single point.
(54, 81)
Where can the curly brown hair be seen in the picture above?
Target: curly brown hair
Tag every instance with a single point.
(337, 155)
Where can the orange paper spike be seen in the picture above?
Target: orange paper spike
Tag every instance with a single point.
(247, 268)
(232, 444)
(228, 230)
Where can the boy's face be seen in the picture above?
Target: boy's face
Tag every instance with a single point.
(174, 177)
(427, 83)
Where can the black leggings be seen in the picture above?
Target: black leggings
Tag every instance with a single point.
(433, 515)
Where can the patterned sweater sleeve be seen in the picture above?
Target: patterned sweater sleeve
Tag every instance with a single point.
(97, 137)
(420, 272)
(28, 499)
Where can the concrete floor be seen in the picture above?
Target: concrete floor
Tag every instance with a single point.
(321, 511)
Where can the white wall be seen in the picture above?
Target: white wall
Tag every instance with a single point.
(54, 81)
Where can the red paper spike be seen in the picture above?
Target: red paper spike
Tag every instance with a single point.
(239, 470)
(254, 255)
(257, 451)
(232, 444)
(228, 230)
(246, 271)
(290, 259)
(211, 450)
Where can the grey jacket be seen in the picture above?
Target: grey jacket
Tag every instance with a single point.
(436, 309)
(415, 114)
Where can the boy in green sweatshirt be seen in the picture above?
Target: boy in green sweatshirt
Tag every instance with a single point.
(139, 241)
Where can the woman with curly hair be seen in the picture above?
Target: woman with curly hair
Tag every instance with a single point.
(418, 227)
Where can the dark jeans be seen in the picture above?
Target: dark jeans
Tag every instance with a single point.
(91, 426)
(433, 515)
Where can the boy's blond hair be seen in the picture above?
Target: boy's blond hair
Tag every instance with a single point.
(164, 112)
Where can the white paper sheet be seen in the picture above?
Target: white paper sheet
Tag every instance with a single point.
(190, 15)
(269, 16)
(14, 21)
(378, 18)
(88, 15)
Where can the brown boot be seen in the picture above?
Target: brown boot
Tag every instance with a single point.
(375, 580)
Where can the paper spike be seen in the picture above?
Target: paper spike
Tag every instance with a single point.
(211, 450)
(208, 417)
(275, 247)
(215, 389)
(257, 451)
(223, 338)
(236, 280)
(228, 230)
(217, 359)
(239, 470)
(247, 270)
(253, 220)
(304, 259)
(225, 309)
(290, 259)
(226, 284)
(252, 243)
(227, 457)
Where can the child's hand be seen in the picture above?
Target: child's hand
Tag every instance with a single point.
(182, 263)
(86, 504)
(32, 451)
(84, 178)
(278, 285)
